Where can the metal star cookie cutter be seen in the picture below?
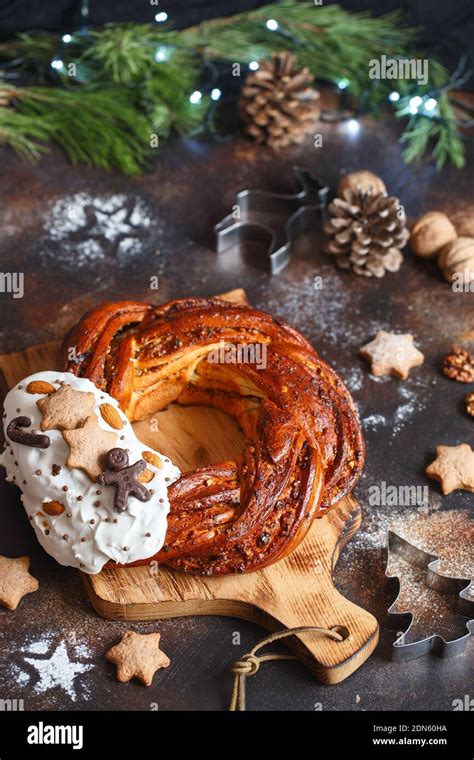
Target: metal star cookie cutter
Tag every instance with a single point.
(457, 588)
(275, 217)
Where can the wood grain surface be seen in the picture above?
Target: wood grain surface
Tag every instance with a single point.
(297, 591)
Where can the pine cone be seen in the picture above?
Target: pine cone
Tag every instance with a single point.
(276, 104)
(366, 232)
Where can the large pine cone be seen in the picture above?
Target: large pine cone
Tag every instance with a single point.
(276, 103)
(366, 232)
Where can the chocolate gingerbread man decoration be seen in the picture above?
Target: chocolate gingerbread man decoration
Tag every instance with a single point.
(124, 478)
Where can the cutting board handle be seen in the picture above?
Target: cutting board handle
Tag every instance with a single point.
(330, 661)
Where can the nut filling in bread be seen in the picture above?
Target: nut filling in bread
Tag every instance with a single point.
(304, 446)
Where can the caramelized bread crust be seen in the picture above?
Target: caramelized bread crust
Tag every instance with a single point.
(304, 446)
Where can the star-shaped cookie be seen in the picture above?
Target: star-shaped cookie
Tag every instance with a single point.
(453, 468)
(15, 581)
(88, 446)
(138, 656)
(392, 354)
(65, 409)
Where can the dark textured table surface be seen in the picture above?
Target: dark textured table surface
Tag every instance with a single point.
(80, 236)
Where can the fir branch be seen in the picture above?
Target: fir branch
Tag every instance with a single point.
(167, 90)
(138, 78)
(24, 134)
(423, 128)
(124, 53)
(97, 128)
(35, 47)
(332, 42)
(336, 44)
(438, 125)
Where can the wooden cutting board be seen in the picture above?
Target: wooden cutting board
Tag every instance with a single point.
(297, 591)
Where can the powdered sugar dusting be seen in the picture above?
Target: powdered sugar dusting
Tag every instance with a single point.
(373, 533)
(82, 229)
(354, 379)
(374, 421)
(107, 216)
(326, 309)
(447, 534)
(47, 663)
(306, 307)
(410, 403)
(40, 646)
(82, 650)
(18, 676)
(87, 252)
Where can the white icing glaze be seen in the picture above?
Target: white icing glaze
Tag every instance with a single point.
(108, 535)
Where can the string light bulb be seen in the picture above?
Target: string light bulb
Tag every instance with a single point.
(195, 97)
(161, 17)
(215, 93)
(353, 126)
(414, 104)
(57, 64)
(343, 84)
(253, 65)
(430, 104)
(272, 25)
(66, 38)
(162, 54)
(394, 97)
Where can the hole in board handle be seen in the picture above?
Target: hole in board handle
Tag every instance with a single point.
(342, 631)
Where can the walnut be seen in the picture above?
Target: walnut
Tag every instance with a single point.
(457, 259)
(459, 365)
(470, 404)
(361, 180)
(430, 233)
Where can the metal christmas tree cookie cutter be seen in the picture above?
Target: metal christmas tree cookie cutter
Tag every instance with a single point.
(274, 218)
(458, 588)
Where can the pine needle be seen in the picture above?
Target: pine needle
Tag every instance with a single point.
(25, 135)
(180, 73)
(123, 53)
(96, 128)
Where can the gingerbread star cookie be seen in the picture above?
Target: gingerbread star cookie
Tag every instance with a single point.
(138, 656)
(453, 468)
(65, 409)
(392, 354)
(88, 446)
(15, 581)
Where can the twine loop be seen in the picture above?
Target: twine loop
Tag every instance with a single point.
(249, 664)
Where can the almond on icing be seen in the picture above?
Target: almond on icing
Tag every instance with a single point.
(88, 532)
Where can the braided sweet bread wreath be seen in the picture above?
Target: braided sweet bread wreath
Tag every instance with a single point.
(304, 446)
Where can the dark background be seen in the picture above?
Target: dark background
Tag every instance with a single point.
(448, 27)
(192, 185)
(202, 179)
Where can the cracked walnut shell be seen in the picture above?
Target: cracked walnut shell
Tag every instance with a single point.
(470, 404)
(459, 365)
